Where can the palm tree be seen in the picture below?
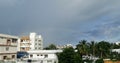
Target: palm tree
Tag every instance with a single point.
(92, 46)
(82, 47)
(104, 49)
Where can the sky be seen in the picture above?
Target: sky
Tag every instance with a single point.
(62, 21)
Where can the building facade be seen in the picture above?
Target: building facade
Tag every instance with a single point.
(41, 56)
(8, 47)
(31, 42)
(25, 43)
(36, 41)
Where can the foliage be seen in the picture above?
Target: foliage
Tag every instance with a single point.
(99, 61)
(51, 47)
(114, 56)
(103, 48)
(77, 58)
(83, 47)
(89, 50)
(69, 56)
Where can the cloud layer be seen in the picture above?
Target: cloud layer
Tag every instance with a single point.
(63, 21)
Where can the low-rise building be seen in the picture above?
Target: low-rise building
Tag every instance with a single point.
(64, 46)
(8, 47)
(41, 56)
(116, 50)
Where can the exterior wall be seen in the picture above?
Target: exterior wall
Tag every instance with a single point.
(25, 45)
(8, 47)
(31, 42)
(42, 56)
(36, 41)
(45, 58)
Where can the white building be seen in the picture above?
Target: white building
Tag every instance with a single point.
(64, 46)
(36, 41)
(117, 43)
(42, 56)
(8, 47)
(31, 42)
(116, 50)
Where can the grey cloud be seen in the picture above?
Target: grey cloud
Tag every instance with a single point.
(64, 21)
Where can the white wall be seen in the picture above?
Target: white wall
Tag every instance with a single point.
(10, 49)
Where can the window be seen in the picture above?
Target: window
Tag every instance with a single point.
(13, 56)
(46, 56)
(37, 54)
(31, 55)
(4, 57)
(39, 40)
(35, 39)
(39, 48)
(7, 48)
(21, 40)
(49, 61)
(14, 40)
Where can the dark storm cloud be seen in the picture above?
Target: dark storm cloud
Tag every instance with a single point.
(63, 21)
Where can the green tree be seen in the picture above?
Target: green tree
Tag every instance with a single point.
(69, 56)
(99, 61)
(103, 48)
(82, 47)
(77, 58)
(51, 47)
(92, 47)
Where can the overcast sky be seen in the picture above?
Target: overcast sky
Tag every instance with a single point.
(62, 21)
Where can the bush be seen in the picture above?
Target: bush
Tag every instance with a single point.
(99, 61)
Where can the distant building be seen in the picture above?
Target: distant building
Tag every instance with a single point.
(36, 41)
(31, 42)
(117, 43)
(64, 46)
(116, 50)
(8, 47)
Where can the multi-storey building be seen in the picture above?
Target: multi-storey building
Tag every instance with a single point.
(36, 41)
(31, 42)
(8, 47)
(25, 43)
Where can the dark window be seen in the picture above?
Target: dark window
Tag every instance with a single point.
(39, 40)
(7, 48)
(21, 40)
(35, 47)
(31, 55)
(14, 40)
(13, 56)
(46, 56)
(4, 57)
